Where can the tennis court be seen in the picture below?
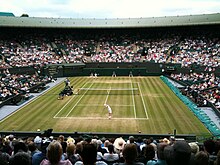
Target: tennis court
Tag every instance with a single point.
(142, 104)
(121, 95)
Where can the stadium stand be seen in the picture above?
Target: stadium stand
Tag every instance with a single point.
(136, 150)
(185, 52)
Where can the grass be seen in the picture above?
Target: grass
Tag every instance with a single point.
(148, 106)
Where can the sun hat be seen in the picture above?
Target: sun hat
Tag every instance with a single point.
(119, 143)
(70, 140)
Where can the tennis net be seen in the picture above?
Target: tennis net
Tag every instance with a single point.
(108, 91)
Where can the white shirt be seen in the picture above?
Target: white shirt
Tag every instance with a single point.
(109, 108)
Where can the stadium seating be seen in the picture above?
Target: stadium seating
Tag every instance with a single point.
(39, 49)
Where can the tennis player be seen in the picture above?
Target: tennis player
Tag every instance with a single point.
(109, 111)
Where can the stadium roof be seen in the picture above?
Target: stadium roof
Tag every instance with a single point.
(7, 14)
(38, 22)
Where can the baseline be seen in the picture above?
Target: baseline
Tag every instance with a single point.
(96, 105)
(100, 118)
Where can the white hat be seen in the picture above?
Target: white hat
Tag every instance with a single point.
(37, 139)
(119, 143)
(70, 140)
(194, 147)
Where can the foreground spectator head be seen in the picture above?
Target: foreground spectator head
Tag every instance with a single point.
(209, 146)
(71, 148)
(130, 153)
(160, 151)
(110, 148)
(149, 152)
(20, 158)
(79, 148)
(89, 154)
(32, 147)
(202, 158)
(181, 153)
(217, 161)
(20, 146)
(70, 151)
(54, 152)
(178, 154)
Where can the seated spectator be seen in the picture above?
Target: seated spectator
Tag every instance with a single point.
(32, 148)
(178, 154)
(89, 156)
(202, 158)
(54, 154)
(141, 156)
(99, 154)
(150, 154)
(20, 158)
(20, 147)
(100, 148)
(160, 155)
(119, 144)
(130, 154)
(4, 158)
(110, 156)
(39, 156)
(62, 142)
(71, 155)
(217, 161)
(209, 147)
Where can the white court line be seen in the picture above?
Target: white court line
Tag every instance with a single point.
(145, 109)
(108, 91)
(78, 101)
(99, 118)
(135, 112)
(66, 104)
(95, 105)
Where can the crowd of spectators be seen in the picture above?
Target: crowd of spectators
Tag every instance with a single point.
(201, 87)
(18, 84)
(200, 50)
(74, 48)
(90, 150)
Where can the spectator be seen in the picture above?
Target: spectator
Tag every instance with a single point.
(71, 155)
(110, 156)
(150, 154)
(130, 154)
(62, 142)
(202, 158)
(160, 154)
(54, 154)
(119, 144)
(179, 153)
(32, 148)
(89, 155)
(20, 158)
(39, 156)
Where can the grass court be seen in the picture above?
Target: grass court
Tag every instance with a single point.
(143, 104)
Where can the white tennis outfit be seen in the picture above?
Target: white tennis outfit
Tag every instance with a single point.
(109, 108)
